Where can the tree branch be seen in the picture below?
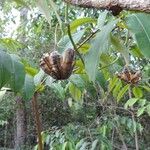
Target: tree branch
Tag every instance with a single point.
(138, 5)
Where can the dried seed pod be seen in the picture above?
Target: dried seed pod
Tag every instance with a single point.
(67, 63)
(130, 76)
(58, 66)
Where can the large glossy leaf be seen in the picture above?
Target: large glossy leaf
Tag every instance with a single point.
(17, 74)
(5, 68)
(99, 44)
(28, 88)
(139, 25)
(78, 22)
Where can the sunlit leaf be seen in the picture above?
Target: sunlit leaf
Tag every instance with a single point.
(112, 83)
(140, 111)
(117, 88)
(31, 71)
(75, 92)
(130, 102)
(81, 21)
(122, 92)
(137, 92)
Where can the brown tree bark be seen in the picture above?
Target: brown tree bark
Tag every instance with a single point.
(21, 131)
(139, 5)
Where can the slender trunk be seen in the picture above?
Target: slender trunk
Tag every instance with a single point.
(21, 124)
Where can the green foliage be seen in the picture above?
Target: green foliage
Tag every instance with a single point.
(81, 21)
(139, 25)
(28, 87)
(99, 44)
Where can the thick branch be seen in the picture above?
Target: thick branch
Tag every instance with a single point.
(139, 5)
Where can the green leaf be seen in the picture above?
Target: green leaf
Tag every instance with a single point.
(140, 111)
(117, 88)
(81, 21)
(146, 88)
(5, 68)
(10, 44)
(58, 89)
(21, 3)
(135, 51)
(112, 83)
(137, 92)
(43, 6)
(80, 143)
(2, 93)
(28, 88)
(64, 146)
(75, 92)
(38, 77)
(120, 47)
(17, 74)
(130, 102)
(142, 102)
(139, 25)
(77, 81)
(94, 144)
(148, 109)
(31, 71)
(65, 42)
(122, 92)
(101, 19)
(99, 44)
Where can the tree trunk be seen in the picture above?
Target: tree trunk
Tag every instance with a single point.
(21, 124)
(139, 5)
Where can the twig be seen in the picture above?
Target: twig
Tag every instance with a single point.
(74, 45)
(37, 120)
(133, 120)
(87, 39)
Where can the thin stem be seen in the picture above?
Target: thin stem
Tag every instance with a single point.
(37, 120)
(66, 13)
(133, 120)
(74, 45)
(87, 39)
